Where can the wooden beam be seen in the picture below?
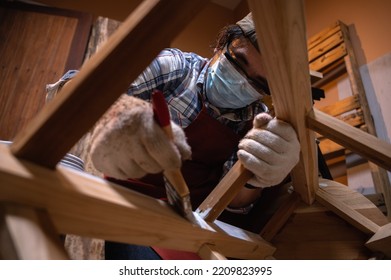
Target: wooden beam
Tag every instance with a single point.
(103, 79)
(84, 205)
(281, 32)
(31, 234)
(211, 208)
(354, 139)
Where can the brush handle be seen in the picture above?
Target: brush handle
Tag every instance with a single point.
(162, 117)
(161, 113)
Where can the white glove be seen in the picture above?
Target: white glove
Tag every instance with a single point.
(269, 150)
(128, 143)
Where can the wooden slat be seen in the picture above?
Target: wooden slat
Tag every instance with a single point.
(224, 192)
(32, 233)
(88, 206)
(316, 39)
(325, 46)
(332, 56)
(364, 144)
(342, 106)
(332, 196)
(102, 80)
(281, 31)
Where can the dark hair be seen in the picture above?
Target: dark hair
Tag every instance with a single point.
(226, 35)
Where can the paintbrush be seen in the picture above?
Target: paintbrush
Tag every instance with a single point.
(177, 191)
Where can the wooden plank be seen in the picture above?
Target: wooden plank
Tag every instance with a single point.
(99, 83)
(356, 83)
(224, 192)
(323, 47)
(84, 205)
(364, 144)
(381, 241)
(32, 233)
(281, 32)
(342, 106)
(332, 195)
(323, 35)
(332, 56)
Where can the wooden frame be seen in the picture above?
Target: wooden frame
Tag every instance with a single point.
(82, 204)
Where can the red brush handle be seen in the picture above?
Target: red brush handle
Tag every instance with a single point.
(160, 108)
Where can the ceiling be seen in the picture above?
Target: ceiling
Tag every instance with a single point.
(229, 4)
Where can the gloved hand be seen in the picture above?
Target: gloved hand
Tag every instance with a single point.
(128, 143)
(270, 150)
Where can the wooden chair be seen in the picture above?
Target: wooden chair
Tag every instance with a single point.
(40, 200)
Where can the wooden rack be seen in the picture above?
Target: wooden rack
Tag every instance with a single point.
(42, 200)
(331, 52)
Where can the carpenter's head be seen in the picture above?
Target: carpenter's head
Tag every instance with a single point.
(237, 67)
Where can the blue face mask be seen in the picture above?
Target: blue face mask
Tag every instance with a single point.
(227, 88)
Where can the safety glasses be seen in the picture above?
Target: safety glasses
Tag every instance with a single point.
(260, 84)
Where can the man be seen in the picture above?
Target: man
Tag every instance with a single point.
(217, 118)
